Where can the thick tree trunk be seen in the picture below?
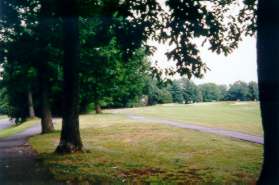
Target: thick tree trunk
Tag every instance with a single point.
(98, 108)
(70, 140)
(268, 75)
(46, 120)
(43, 69)
(30, 105)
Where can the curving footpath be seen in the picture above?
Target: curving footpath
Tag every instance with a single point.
(18, 162)
(217, 131)
(5, 123)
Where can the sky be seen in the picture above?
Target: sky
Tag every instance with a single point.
(239, 65)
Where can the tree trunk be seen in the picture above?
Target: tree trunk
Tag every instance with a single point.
(46, 121)
(98, 108)
(268, 76)
(70, 140)
(30, 105)
(84, 106)
(43, 69)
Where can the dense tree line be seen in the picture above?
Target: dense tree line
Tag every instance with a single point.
(186, 91)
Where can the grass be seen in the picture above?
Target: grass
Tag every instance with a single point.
(17, 128)
(3, 117)
(236, 116)
(127, 152)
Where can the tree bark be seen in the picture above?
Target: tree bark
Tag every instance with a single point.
(84, 106)
(268, 76)
(46, 121)
(30, 105)
(70, 140)
(43, 69)
(98, 108)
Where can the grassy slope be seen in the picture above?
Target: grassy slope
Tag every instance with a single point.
(3, 117)
(125, 152)
(244, 117)
(17, 128)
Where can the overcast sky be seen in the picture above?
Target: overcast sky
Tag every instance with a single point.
(240, 65)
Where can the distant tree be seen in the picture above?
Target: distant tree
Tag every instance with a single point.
(152, 91)
(238, 91)
(223, 90)
(253, 91)
(210, 92)
(176, 92)
(191, 92)
(164, 96)
(155, 92)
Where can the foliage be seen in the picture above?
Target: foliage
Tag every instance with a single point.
(186, 91)
(191, 92)
(156, 94)
(253, 91)
(210, 92)
(238, 91)
(176, 92)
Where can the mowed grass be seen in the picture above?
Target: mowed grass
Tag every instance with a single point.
(125, 152)
(7, 132)
(237, 116)
(3, 117)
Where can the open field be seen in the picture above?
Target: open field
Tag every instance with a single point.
(236, 116)
(122, 151)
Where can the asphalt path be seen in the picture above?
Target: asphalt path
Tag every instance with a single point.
(192, 126)
(5, 123)
(19, 164)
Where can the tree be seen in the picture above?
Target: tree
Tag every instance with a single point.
(107, 78)
(210, 92)
(44, 30)
(156, 93)
(268, 79)
(223, 90)
(176, 92)
(70, 140)
(253, 91)
(191, 92)
(238, 91)
(17, 60)
(131, 80)
(25, 44)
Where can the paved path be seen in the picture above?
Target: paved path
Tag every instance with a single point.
(18, 162)
(5, 123)
(222, 132)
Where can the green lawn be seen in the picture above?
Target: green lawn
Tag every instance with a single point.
(237, 116)
(18, 128)
(127, 152)
(3, 117)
